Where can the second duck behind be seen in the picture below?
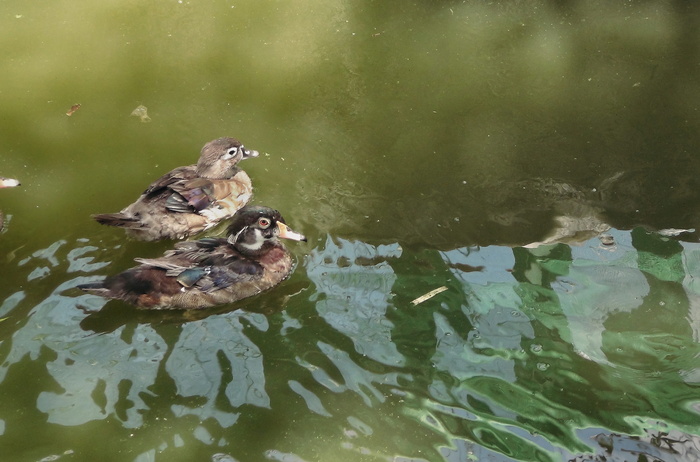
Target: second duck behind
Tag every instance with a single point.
(189, 199)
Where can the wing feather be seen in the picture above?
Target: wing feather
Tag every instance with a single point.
(207, 264)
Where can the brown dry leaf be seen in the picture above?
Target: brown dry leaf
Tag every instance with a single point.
(72, 109)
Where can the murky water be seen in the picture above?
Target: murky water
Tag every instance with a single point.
(420, 146)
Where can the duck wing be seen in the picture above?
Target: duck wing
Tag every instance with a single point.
(188, 255)
(207, 265)
(165, 183)
(196, 195)
(214, 199)
(182, 190)
(222, 277)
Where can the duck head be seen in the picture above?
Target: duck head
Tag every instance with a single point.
(256, 229)
(218, 158)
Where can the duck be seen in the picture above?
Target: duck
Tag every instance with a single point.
(189, 199)
(210, 271)
(6, 183)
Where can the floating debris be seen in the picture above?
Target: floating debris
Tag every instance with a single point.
(8, 182)
(141, 112)
(606, 239)
(72, 109)
(672, 232)
(429, 295)
(466, 268)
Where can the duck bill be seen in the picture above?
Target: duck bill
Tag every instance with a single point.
(8, 183)
(248, 153)
(287, 233)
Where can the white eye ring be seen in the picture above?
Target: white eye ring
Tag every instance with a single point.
(264, 223)
(230, 153)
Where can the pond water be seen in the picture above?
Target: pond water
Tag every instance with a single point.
(534, 162)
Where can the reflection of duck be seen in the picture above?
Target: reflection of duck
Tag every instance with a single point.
(211, 271)
(6, 183)
(189, 199)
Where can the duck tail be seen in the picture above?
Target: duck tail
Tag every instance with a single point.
(116, 219)
(135, 286)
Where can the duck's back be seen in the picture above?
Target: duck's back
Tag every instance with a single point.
(276, 267)
(180, 204)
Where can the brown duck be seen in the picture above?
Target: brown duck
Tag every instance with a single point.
(210, 271)
(189, 199)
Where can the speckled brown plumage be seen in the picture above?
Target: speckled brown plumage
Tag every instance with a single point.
(210, 271)
(190, 199)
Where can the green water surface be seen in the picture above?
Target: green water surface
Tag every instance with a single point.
(477, 147)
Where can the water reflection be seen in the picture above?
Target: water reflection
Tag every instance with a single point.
(441, 126)
(213, 360)
(582, 299)
(527, 352)
(353, 292)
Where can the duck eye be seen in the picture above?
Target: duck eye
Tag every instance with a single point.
(230, 153)
(264, 223)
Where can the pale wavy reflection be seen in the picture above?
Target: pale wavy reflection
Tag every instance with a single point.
(213, 359)
(354, 283)
(88, 368)
(526, 354)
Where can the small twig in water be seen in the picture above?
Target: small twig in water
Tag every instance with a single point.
(429, 295)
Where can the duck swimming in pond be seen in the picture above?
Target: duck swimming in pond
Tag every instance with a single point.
(189, 199)
(210, 271)
(6, 183)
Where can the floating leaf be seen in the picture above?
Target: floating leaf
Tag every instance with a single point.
(72, 109)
